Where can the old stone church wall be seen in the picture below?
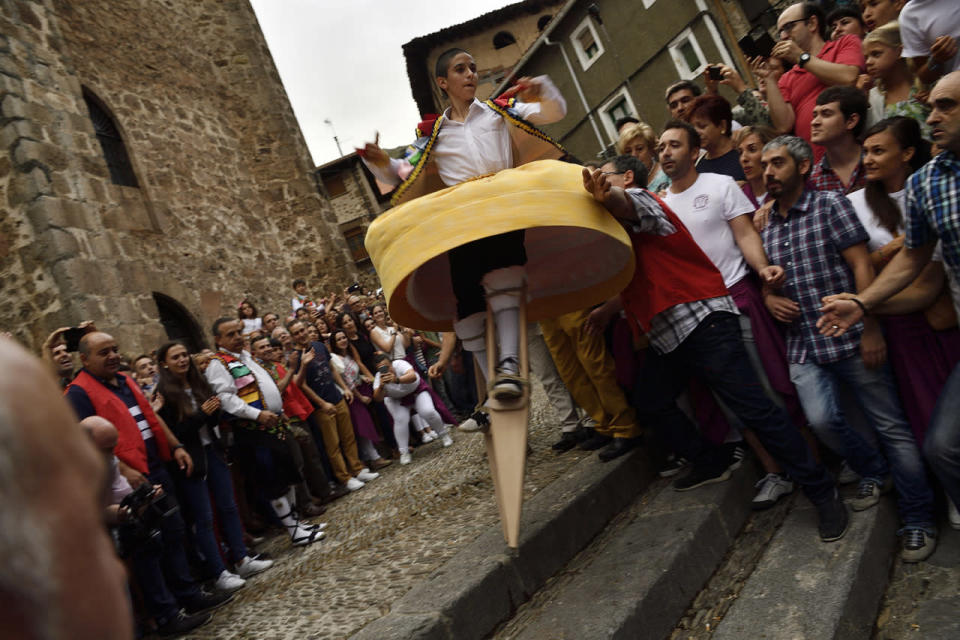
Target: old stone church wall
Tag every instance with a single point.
(226, 204)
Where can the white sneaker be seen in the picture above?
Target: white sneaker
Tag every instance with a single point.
(366, 475)
(428, 436)
(229, 582)
(772, 487)
(354, 485)
(251, 567)
(405, 458)
(953, 516)
(447, 440)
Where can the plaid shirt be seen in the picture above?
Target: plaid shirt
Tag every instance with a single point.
(933, 207)
(808, 243)
(671, 327)
(824, 178)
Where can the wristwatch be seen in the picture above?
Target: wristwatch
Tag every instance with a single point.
(804, 59)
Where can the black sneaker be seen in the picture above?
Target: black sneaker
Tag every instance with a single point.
(735, 452)
(918, 545)
(183, 623)
(699, 476)
(672, 466)
(595, 441)
(206, 601)
(834, 518)
(569, 440)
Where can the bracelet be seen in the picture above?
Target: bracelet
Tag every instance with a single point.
(861, 305)
(175, 447)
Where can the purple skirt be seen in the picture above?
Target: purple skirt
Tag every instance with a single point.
(360, 415)
(921, 359)
(441, 407)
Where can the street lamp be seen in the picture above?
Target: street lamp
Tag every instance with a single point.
(335, 139)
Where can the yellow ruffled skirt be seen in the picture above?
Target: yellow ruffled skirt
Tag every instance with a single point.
(577, 253)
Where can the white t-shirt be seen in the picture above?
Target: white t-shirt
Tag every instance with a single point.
(706, 209)
(396, 389)
(251, 324)
(923, 21)
(879, 236)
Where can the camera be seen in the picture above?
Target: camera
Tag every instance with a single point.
(72, 338)
(355, 287)
(715, 72)
(148, 508)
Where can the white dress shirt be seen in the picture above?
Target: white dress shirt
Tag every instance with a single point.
(481, 143)
(226, 389)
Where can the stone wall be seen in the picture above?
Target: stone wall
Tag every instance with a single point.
(227, 205)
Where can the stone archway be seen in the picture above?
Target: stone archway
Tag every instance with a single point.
(178, 323)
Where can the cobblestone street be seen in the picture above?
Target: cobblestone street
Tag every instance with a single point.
(382, 540)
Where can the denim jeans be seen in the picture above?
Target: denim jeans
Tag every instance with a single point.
(876, 394)
(197, 492)
(941, 447)
(164, 574)
(714, 352)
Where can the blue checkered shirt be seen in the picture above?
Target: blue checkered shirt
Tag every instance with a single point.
(933, 208)
(808, 243)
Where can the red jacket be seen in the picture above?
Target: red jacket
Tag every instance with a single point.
(130, 446)
(670, 270)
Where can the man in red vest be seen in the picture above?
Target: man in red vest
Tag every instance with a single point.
(677, 297)
(144, 445)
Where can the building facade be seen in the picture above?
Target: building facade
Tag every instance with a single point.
(152, 172)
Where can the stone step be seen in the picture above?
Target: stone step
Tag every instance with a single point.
(484, 583)
(642, 580)
(804, 588)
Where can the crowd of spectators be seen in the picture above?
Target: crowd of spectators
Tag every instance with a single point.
(772, 217)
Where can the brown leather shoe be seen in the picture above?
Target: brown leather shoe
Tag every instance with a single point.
(379, 463)
(313, 510)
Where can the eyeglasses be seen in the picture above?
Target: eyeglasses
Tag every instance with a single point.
(788, 26)
(612, 173)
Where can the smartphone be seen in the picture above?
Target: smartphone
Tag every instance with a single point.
(72, 337)
(714, 72)
(383, 369)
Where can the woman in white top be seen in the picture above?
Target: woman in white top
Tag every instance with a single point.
(922, 355)
(387, 337)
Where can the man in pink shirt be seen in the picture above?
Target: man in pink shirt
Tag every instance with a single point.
(818, 64)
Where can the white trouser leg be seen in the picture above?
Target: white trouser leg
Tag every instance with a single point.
(428, 412)
(366, 449)
(503, 288)
(471, 331)
(419, 423)
(401, 423)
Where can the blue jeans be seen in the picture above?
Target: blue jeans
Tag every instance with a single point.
(941, 446)
(196, 493)
(714, 352)
(164, 574)
(876, 393)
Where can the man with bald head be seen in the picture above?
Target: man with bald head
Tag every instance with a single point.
(144, 445)
(817, 64)
(61, 577)
(932, 214)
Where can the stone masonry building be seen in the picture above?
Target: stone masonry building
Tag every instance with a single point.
(152, 173)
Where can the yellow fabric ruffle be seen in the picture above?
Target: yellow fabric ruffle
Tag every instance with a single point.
(577, 253)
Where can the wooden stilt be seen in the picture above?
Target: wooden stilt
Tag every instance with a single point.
(507, 438)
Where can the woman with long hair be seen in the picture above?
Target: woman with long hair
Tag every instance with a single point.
(192, 411)
(357, 378)
(919, 323)
(385, 336)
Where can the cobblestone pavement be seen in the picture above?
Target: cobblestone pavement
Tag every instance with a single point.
(382, 540)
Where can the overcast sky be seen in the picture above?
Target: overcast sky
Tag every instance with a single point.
(342, 60)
